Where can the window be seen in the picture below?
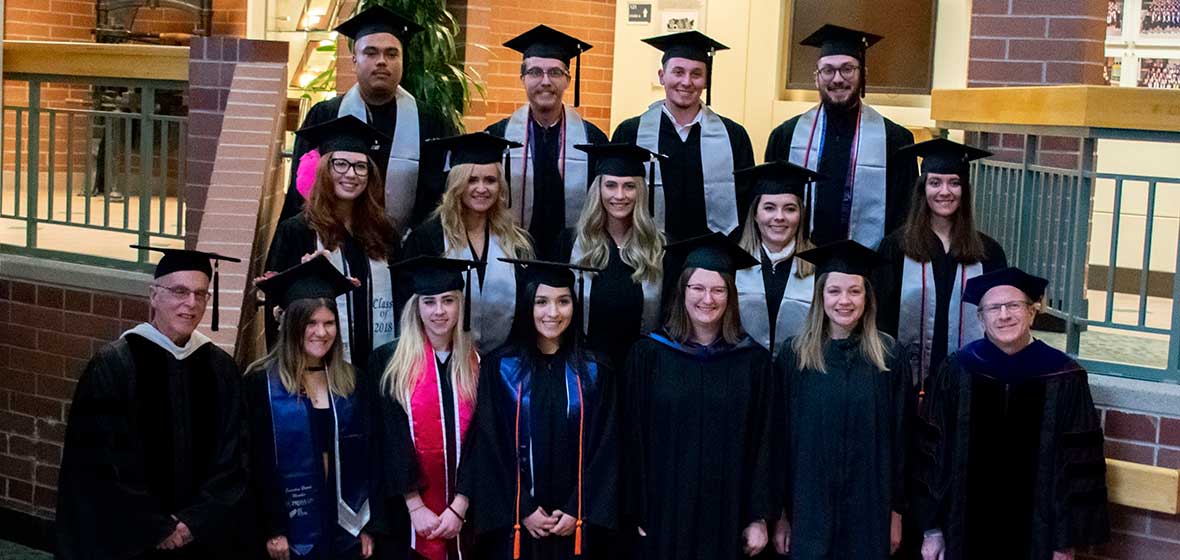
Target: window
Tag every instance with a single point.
(901, 63)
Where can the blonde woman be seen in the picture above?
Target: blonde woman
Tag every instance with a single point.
(308, 421)
(616, 233)
(473, 222)
(843, 387)
(775, 295)
(427, 387)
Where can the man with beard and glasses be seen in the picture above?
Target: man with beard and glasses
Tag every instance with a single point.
(864, 193)
(693, 191)
(412, 176)
(549, 178)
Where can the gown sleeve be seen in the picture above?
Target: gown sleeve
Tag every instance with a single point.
(601, 461)
(485, 477)
(784, 364)
(903, 413)
(763, 500)
(104, 508)
(1081, 498)
(886, 281)
(931, 445)
(225, 485)
(272, 514)
(399, 456)
(634, 471)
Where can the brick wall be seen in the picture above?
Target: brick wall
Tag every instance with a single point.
(39, 366)
(1035, 42)
(1150, 440)
(486, 25)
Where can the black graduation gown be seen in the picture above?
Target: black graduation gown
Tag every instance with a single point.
(829, 213)
(398, 463)
(844, 435)
(149, 437)
(697, 443)
(549, 219)
(265, 481)
(488, 476)
(683, 176)
(431, 178)
(1009, 460)
(295, 238)
(888, 278)
(616, 305)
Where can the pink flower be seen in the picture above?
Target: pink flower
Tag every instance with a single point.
(305, 173)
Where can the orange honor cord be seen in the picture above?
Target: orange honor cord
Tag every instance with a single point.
(581, 430)
(516, 518)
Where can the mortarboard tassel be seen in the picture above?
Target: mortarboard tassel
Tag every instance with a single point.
(581, 444)
(709, 80)
(216, 296)
(651, 188)
(467, 303)
(508, 173)
(578, 80)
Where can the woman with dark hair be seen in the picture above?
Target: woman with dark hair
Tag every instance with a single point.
(428, 379)
(696, 407)
(308, 416)
(841, 392)
(776, 294)
(473, 222)
(616, 233)
(931, 257)
(344, 219)
(541, 474)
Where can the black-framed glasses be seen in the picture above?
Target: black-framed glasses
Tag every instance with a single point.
(341, 166)
(828, 72)
(553, 73)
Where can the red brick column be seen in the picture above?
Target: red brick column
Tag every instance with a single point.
(1030, 43)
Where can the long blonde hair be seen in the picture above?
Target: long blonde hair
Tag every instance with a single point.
(809, 345)
(514, 240)
(643, 249)
(751, 239)
(402, 373)
(288, 350)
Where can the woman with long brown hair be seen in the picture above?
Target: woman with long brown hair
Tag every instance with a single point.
(696, 406)
(308, 417)
(473, 222)
(344, 220)
(617, 234)
(776, 294)
(931, 257)
(842, 419)
(428, 379)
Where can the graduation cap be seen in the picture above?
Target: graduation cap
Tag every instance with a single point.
(1032, 286)
(314, 279)
(543, 41)
(944, 156)
(179, 260)
(834, 39)
(712, 251)
(692, 45)
(379, 19)
(623, 159)
(479, 148)
(344, 134)
(846, 256)
(431, 276)
(777, 177)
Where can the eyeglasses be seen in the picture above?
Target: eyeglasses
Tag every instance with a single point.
(181, 293)
(553, 73)
(699, 291)
(359, 168)
(1016, 307)
(828, 72)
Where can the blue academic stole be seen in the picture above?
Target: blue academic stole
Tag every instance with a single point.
(518, 384)
(300, 474)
